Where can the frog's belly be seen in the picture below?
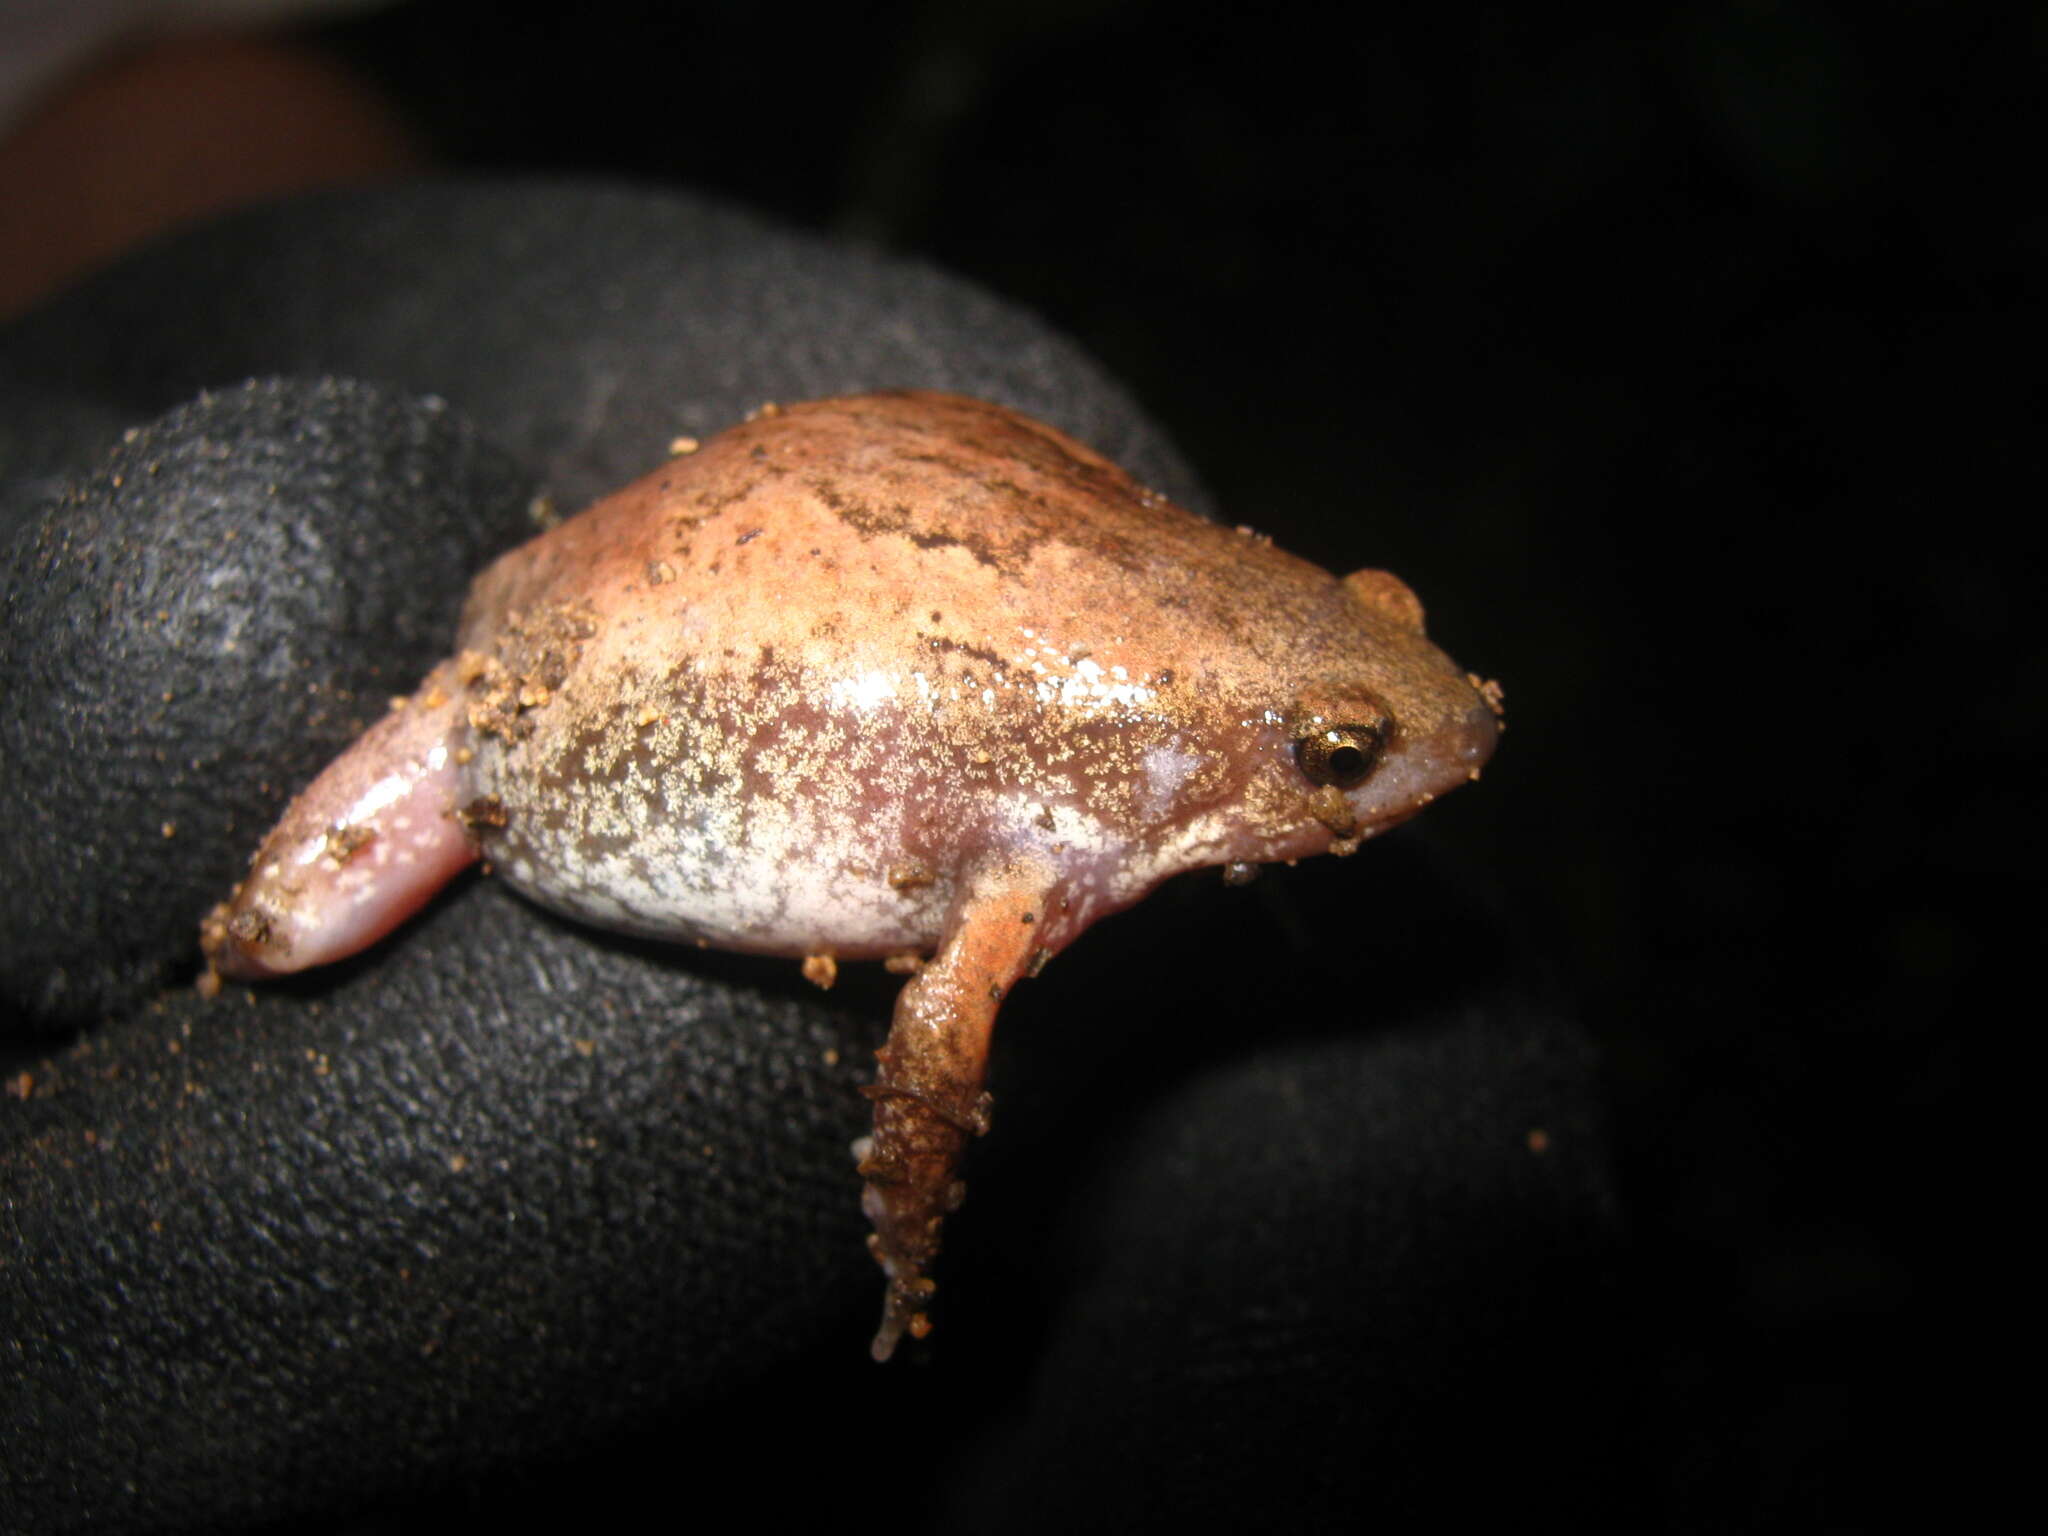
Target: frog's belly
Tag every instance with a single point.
(758, 907)
(688, 879)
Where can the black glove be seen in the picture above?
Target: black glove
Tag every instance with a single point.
(1292, 1212)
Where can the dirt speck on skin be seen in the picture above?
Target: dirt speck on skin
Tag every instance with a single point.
(534, 655)
(344, 843)
(485, 813)
(1491, 691)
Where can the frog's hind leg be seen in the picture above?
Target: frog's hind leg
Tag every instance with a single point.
(928, 1096)
(361, 849)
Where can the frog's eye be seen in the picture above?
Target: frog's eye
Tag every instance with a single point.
(1343, 755)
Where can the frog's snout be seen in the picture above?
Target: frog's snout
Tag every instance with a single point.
(1461, 745)
(1468, 741)
(1420, 766)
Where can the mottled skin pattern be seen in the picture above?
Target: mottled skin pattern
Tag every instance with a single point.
(900, 676)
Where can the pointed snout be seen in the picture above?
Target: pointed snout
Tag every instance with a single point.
(1421, 764)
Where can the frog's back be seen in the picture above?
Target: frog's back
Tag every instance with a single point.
(841, 530)
(806, 494)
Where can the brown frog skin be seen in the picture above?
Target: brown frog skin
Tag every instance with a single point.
(897, 676)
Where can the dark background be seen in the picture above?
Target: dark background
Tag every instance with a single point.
(1680, 367)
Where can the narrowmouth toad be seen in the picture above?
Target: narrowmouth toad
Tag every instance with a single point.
(905, 676)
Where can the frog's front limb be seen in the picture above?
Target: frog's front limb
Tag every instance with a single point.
(928, 1095)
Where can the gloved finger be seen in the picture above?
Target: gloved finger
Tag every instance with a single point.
(583, 327)
(298, 1242)
(208, 613)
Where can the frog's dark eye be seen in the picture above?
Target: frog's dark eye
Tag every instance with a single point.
(1343, 755)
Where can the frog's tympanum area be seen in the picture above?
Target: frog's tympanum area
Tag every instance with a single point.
(899, 676)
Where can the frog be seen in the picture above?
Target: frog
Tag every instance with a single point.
(902, 676)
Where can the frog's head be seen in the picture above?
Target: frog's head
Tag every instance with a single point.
(1302, 715)
(1378, 724)
(1338, 720)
